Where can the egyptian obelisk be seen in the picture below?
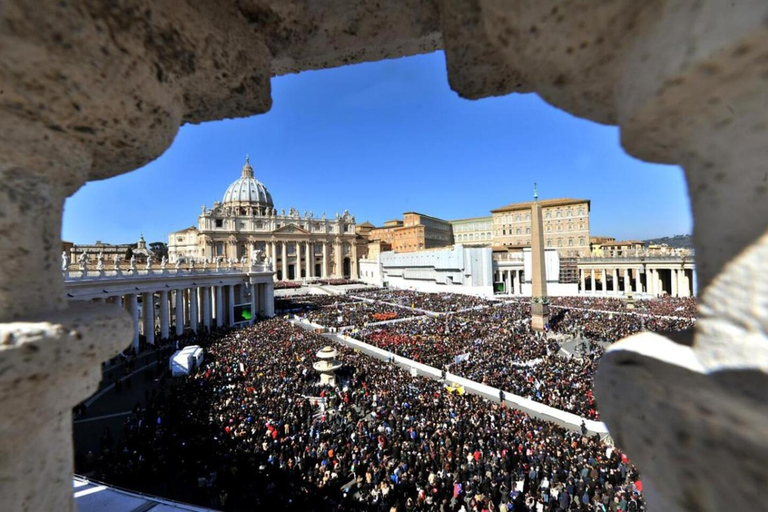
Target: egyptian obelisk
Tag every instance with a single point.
(539, 299)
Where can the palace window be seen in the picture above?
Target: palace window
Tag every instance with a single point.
(559, 242)
(527, 231)
(519, 231)
(548, 215)
(570, 242)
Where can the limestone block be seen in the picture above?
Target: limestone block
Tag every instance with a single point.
(46, 368)
(700, 446)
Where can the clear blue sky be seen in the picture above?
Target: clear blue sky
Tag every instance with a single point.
(380, 139)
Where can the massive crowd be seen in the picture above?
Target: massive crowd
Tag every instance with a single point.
(253, 428)
(357, 314)
(436, 302)
(684, 307)
(496, 346)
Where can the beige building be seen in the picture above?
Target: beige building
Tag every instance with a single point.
(623, 248)
(476, 231)
(414, 233)
(566, 225)
(299, 246)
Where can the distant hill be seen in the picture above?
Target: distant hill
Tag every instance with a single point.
(677, 241)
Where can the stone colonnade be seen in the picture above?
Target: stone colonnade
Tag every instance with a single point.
(161, 303)
(512, 278)
(93, 90)
(672, 280)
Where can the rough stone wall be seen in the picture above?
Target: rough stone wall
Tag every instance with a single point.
(90, 89)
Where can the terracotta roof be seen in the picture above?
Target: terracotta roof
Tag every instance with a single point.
(469, 219)
(626, 242)
(366, 224)
(563, 201)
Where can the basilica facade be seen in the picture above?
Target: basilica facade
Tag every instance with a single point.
(298, 245)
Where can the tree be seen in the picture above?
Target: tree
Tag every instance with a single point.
(160, 249)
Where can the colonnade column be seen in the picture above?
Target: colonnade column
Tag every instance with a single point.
(592, 279)
(615, 274)
(284, 255)
(193, 308)
(638, 285)
(519, 282)
(179, 312)
(627, 281)
(231, 305)
(583, 280)
(309, 248)
(651, 277)
(148, 314)
(675, 278)
(269, 299)
(254, 302)
(206, 291)
(325, 259)
(219, 308)
(132, 306)
(694, 283)
(164, 314)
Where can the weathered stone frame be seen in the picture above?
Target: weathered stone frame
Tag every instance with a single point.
(92, 89)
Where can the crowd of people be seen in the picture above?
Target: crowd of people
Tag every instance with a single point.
(683, 307)
(435, 302)
(252, 427)
(358, 314)
(496, 346)
(307, 302)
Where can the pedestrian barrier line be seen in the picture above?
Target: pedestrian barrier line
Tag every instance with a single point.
(104, 417)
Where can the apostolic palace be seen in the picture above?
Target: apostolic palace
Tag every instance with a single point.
(298, 245)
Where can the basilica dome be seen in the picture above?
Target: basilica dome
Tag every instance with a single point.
(247, 190)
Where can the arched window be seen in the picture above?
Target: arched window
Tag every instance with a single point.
(570, 242)
(527, 216)
(581, 241)
(519, 231)
(557, 214)
(559, 242)
(549, 242)
(527, 231)
(517, 218)
(548, 215)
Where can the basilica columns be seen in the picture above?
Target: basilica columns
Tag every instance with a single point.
(353, 261)
(309, 253)
(338, 268)
(284, 255)
(324, 273)
(592, 279)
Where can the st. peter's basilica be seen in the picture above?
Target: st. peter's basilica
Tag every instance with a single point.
(300, 246)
